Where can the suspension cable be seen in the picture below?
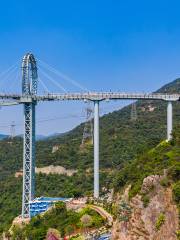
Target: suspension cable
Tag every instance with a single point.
(62, 75)
(52, 80)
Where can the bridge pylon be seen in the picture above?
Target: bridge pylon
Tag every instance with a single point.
(29, 89)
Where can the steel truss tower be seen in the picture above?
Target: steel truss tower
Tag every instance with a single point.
(133, 112)
(29, 88)
(12, 130)
(88, 127)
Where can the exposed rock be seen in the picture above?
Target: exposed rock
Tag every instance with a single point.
(19, 174)
(142, 222)
(55, 148)
(150, 182)
(143, 109)
(50, 170)
(55, 170)
(151, 108)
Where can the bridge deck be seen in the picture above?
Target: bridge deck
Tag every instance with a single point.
(92, 96)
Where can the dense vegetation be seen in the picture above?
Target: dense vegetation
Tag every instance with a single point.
(165, 156)
(65, 221)
(122, 140)
(47, 185)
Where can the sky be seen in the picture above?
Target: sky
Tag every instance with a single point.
(128, 46)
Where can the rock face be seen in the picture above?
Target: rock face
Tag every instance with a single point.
(55, 148)
(150, 182)
(56, 170)
(51, 169)
(143, 220)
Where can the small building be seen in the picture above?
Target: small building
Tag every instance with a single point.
(42, 204)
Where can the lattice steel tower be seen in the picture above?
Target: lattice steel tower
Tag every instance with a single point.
(133, 112)
(88, 127)
(29, 88)
(12, 130)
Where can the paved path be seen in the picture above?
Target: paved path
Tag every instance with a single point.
(103, 213)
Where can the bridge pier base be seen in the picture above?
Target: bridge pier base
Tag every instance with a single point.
(96, 149)
(169, 120)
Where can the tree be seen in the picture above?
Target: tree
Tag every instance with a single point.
(69, 230)
(86, 221)
(17, 233)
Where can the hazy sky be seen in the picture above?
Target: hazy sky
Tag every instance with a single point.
(103, 45)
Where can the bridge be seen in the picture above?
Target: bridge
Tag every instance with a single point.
(29, 98)
(91, 96)
(104, 214)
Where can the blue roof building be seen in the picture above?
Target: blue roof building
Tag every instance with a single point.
(42, 204)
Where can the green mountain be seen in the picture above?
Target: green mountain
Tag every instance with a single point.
(165, 155)
(122, 140)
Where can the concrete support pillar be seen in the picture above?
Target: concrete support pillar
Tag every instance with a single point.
(96, 149)
(169, 120)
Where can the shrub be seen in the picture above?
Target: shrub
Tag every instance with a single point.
(174, 172)
(124, 212)
(69, 230)
(135, 189)
(176, 192)
(86, 220)
(146, 200)
(178, 234)
(17, 233)
(160, 221)
(165, 182)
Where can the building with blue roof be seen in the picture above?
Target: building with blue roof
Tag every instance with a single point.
(42, 204)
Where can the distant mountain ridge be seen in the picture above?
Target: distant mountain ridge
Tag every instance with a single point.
(39, 137)
(3, 136)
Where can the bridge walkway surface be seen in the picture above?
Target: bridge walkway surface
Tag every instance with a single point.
(103, 213)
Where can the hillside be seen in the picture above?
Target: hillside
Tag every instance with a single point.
(151, 180)
(121, 141)
(152, 194)
(165, 156)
